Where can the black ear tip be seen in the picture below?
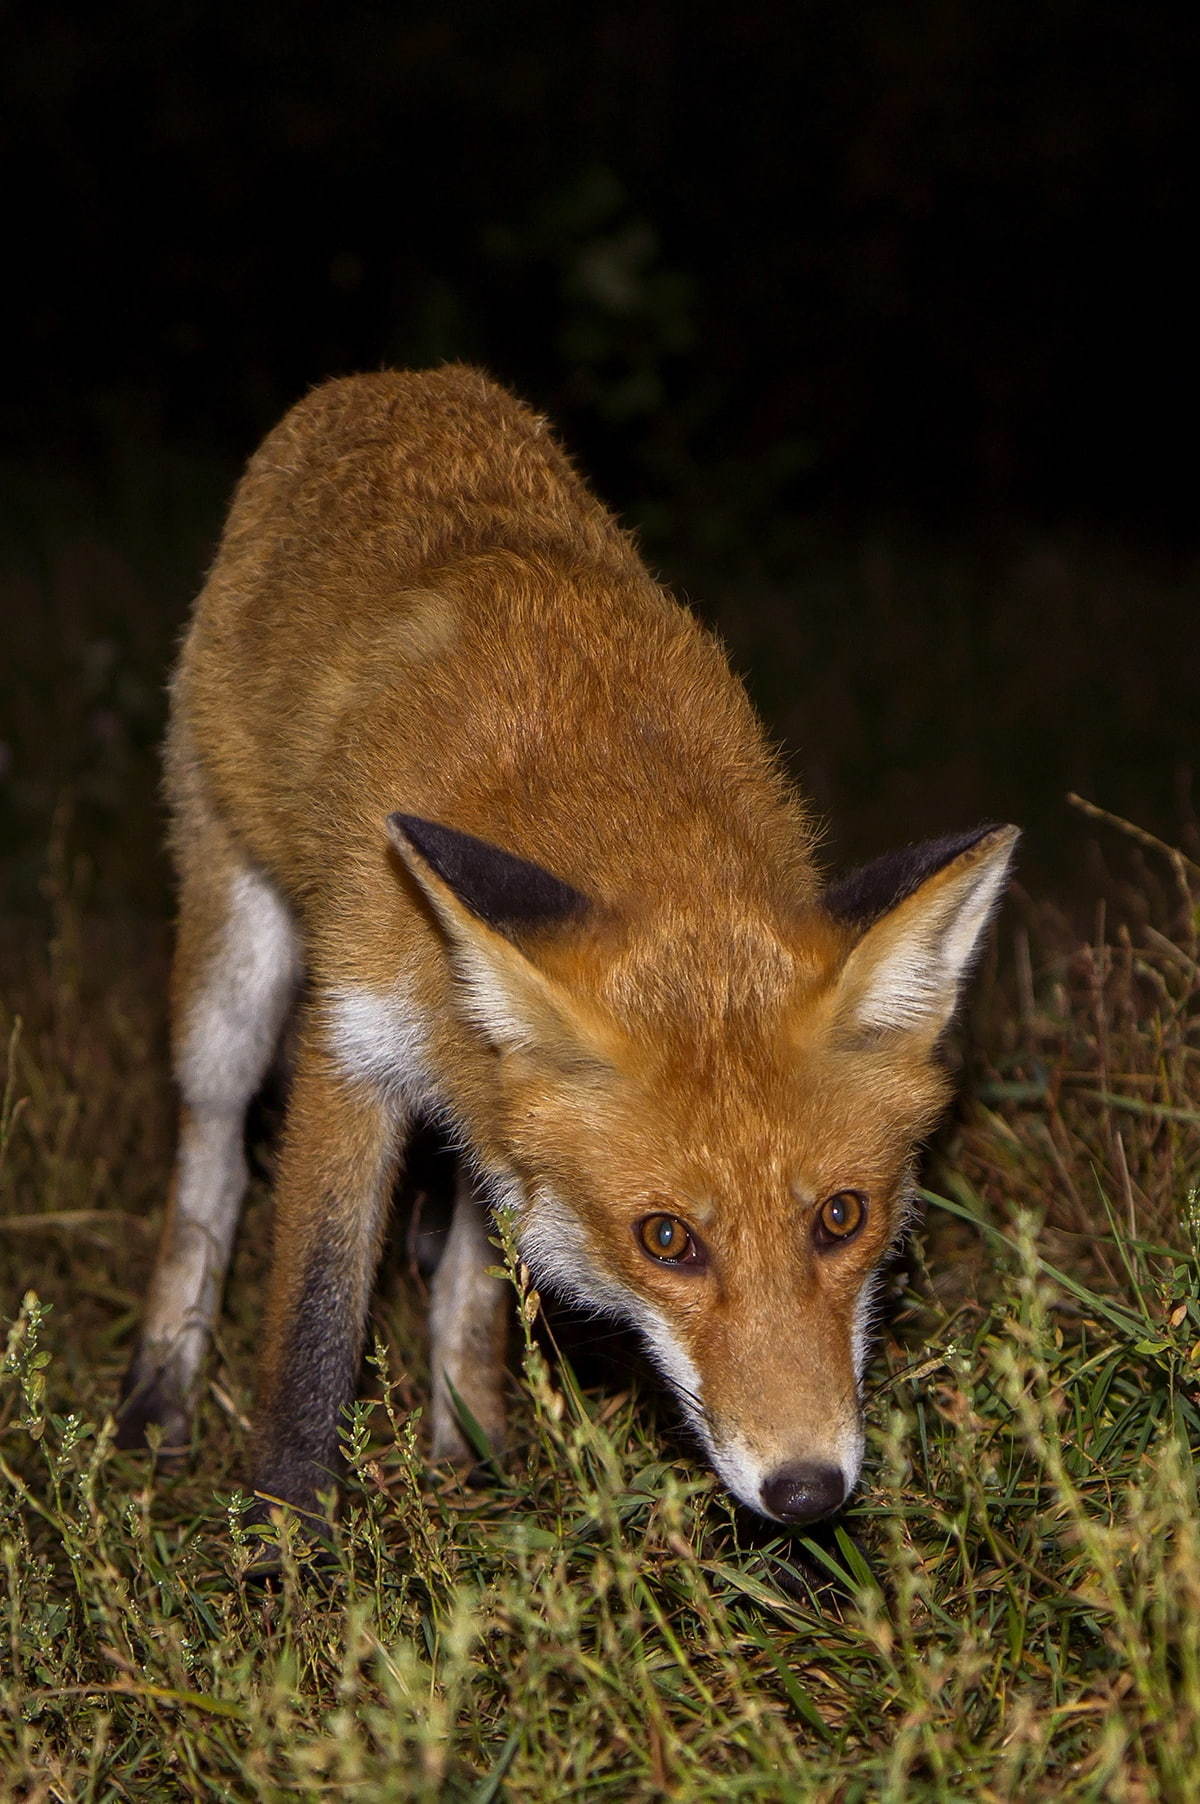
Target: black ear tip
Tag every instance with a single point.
(874, 889)
(998, 836)
(505, 891)
(429, 839)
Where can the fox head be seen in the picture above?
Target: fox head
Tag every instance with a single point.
(706, 1118)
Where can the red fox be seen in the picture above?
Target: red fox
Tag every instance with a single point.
(452, 773)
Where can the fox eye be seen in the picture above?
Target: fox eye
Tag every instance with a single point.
(669, 1240)
(839, 1218)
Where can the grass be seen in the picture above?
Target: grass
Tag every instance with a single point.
(1012, 1604)
(1010, 1607)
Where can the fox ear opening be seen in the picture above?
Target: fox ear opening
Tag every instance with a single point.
(484, 897)
(924, 910)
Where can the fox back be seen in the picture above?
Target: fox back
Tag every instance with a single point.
(457, 782)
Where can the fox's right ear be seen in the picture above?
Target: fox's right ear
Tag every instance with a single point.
(924, 910)
(491, 905)
(495, 886)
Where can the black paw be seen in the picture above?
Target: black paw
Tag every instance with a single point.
(150, 1400)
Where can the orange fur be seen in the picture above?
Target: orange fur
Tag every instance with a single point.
(418, 606)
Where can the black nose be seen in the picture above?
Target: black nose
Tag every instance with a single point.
(803, 1491)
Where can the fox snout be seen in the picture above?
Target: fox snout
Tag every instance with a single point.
(795, 1477)
(799, 1476)
(789, 1442)
(795, 1491)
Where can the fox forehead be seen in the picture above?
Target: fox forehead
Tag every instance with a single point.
(710, 971)
(717, 1139)
(725, 1043)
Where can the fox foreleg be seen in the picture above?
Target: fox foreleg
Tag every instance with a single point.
(341, 1150)
(468, 1331)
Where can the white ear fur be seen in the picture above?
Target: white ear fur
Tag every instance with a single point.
(501, 992)
(905, 974)
(508, 999)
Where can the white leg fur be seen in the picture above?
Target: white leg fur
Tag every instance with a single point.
(238, 1014)
(224, 1051)
(468, 1325)
(185, 1292)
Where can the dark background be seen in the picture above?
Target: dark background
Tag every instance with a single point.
(872, 319)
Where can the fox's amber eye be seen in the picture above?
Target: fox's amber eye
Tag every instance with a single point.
(668, 1240)
(839, 1218)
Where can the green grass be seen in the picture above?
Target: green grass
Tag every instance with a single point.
(1009, 1609)
(1011, 1606)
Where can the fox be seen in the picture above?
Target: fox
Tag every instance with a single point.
(462, 798)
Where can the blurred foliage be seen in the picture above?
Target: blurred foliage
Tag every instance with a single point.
(921, 257)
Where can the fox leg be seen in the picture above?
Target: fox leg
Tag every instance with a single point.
(341, 1149)
(468, 1327)
(235, 976)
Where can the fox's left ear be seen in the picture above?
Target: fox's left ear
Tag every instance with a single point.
(924, 910)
